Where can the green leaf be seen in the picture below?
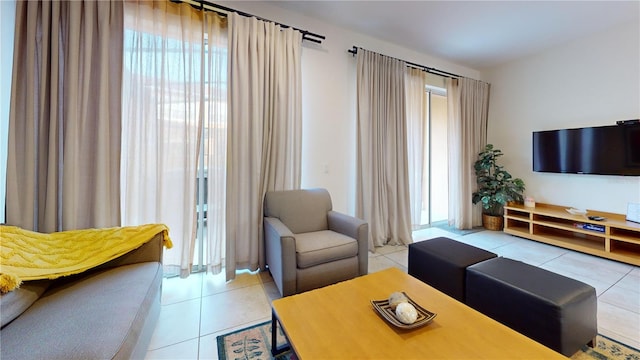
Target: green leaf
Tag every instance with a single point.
(496, 186)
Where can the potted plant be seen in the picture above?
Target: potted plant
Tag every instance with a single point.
(496, 188)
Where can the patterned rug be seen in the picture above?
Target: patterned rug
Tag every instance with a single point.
(607, 348)
(254, 342)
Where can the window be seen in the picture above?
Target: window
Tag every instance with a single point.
(435, 159)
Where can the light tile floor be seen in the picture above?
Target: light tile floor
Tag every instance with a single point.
(197, 309)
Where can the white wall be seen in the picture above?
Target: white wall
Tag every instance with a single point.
(7, 20)
(329, 98)
(593, 81)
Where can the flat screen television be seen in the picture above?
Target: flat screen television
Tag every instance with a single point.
(603, 150)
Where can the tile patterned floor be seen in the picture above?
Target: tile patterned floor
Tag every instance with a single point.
(197, 309)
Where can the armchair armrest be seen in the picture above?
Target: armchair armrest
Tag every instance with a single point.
(355, 228)
(280, 248)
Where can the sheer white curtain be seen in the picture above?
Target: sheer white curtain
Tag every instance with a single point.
(468, 110)
(64, 134)
(214, 88)
(264, 131)
(173, 69)
(417, 112)
(382, 177)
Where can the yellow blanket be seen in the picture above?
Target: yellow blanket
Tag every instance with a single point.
(28, 255)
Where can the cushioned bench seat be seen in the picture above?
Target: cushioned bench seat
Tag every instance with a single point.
(557, 311)
(442, 262)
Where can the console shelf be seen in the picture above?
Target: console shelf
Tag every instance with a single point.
(552, 224)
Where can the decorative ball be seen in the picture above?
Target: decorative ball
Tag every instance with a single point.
(406, 313)
(396, 298)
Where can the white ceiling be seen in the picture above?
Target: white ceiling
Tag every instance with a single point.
(476, 34)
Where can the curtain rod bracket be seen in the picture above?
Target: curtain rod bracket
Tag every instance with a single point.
(353, 51)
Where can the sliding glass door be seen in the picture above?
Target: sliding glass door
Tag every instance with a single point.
(434, 178)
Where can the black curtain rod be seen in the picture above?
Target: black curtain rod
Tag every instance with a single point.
(223, 11)
(435, 71)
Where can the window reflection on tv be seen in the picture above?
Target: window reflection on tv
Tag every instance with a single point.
(604, 150)
(633, 146)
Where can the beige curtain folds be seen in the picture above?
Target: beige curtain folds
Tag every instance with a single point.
(264, 133)
(382, 177)
(175, 67)
(468, 110)
(64, 124)
(417, 140)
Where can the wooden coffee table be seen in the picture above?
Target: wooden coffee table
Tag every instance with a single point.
(339, 322)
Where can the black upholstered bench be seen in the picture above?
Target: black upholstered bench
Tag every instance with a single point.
(552, 309)
(441, 263)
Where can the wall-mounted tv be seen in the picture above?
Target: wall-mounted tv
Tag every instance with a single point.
(603, 150)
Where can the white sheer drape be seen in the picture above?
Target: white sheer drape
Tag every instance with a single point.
(64, 123)
(417, 108)
(264, 131)
(215, 139)
(173, 66)
(382, 177)
(468, 110)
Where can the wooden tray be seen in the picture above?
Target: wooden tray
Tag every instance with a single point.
(384, 309)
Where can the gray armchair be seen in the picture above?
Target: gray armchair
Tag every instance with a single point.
(308, 245)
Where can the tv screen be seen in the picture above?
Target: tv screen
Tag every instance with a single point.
(604, 150)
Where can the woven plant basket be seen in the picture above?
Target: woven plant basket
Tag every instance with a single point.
(495, 223)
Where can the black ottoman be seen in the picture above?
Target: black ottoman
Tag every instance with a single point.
(441, 263)
(549, 308)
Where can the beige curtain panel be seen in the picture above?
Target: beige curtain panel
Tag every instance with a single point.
(468, 110)
(382, 177)
(63, 166)
(264, 131)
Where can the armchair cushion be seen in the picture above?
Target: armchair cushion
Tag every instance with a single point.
(300, 210)
(319, 247)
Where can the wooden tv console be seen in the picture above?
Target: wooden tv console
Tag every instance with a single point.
(552, 224)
